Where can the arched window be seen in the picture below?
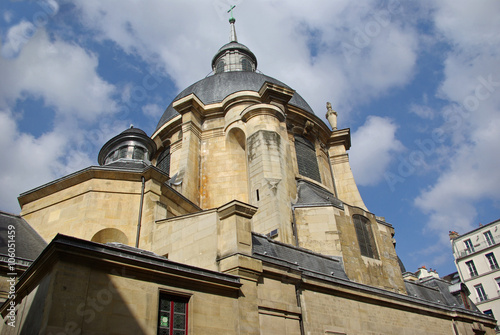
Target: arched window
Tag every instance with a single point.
(139, 153)
(306, 158)
(365, 236)
(220, 67)
(246, 65)
(163, 162)
(110, 235)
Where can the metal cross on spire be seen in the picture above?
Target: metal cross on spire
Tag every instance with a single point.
(231, 11)
(232, 20)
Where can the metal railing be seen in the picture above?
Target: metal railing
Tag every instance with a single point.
(479, 246)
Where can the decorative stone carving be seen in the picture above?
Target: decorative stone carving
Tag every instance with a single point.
(331, 116)
(273, 184)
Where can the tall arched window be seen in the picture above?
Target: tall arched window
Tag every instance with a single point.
(365, 236)
(163, 162)
(306, 158)
(246, 65)
(220, 67)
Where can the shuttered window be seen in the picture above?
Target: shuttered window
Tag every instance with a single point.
(163, 162)
(365, 236)
(306, 158)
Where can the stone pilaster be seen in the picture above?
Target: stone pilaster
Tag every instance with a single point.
(347, 190)
(235, 250)
(191, 109)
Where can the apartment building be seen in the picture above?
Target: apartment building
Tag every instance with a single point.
(477, 255)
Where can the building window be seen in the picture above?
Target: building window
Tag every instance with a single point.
(489, 312)
(365, 236)
(139, 153)
(469, 248)
(481, 295)
(122, 152)
(306, 158)
(220, 67)
(492, 260)
(472, 268)
(163, 161)
(173, 315)
(246, 65)
(489, 238)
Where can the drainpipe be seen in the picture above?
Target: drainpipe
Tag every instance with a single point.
(301, 321)
(140, 214)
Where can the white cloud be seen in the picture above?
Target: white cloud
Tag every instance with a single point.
(63, 74)
(17, 36)
(64, 77)
(471, 84)
(281, 41)
(26, 161)
(425, 112)
(374, 147)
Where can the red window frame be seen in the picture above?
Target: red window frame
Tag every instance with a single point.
(172, 301)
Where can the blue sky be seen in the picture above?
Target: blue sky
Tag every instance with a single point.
(416, 82)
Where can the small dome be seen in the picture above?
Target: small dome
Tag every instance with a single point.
(131, 144)
(234, 56)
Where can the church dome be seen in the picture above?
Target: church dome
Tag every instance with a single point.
(234, 67)
(215, 88)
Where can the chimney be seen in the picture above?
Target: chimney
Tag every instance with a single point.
(453, 235)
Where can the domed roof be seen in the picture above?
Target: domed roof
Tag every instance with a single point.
(234, 67)
(215, 88)
(130, 136)
(234, 46)
(133, 130)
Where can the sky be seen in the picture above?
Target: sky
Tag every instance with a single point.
(417, 83)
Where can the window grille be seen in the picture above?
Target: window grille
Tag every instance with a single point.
(365, 236)
(173, 315)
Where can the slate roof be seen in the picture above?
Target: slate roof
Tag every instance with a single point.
(310, 194)
(27, 241)
(432, 291)
(215, 88)
(279, 253)
(436, 290)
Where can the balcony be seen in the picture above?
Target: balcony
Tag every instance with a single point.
(479, 246)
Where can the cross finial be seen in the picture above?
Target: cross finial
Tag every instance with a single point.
(231, 11)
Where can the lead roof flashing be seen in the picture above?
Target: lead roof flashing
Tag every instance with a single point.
(310, 194)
